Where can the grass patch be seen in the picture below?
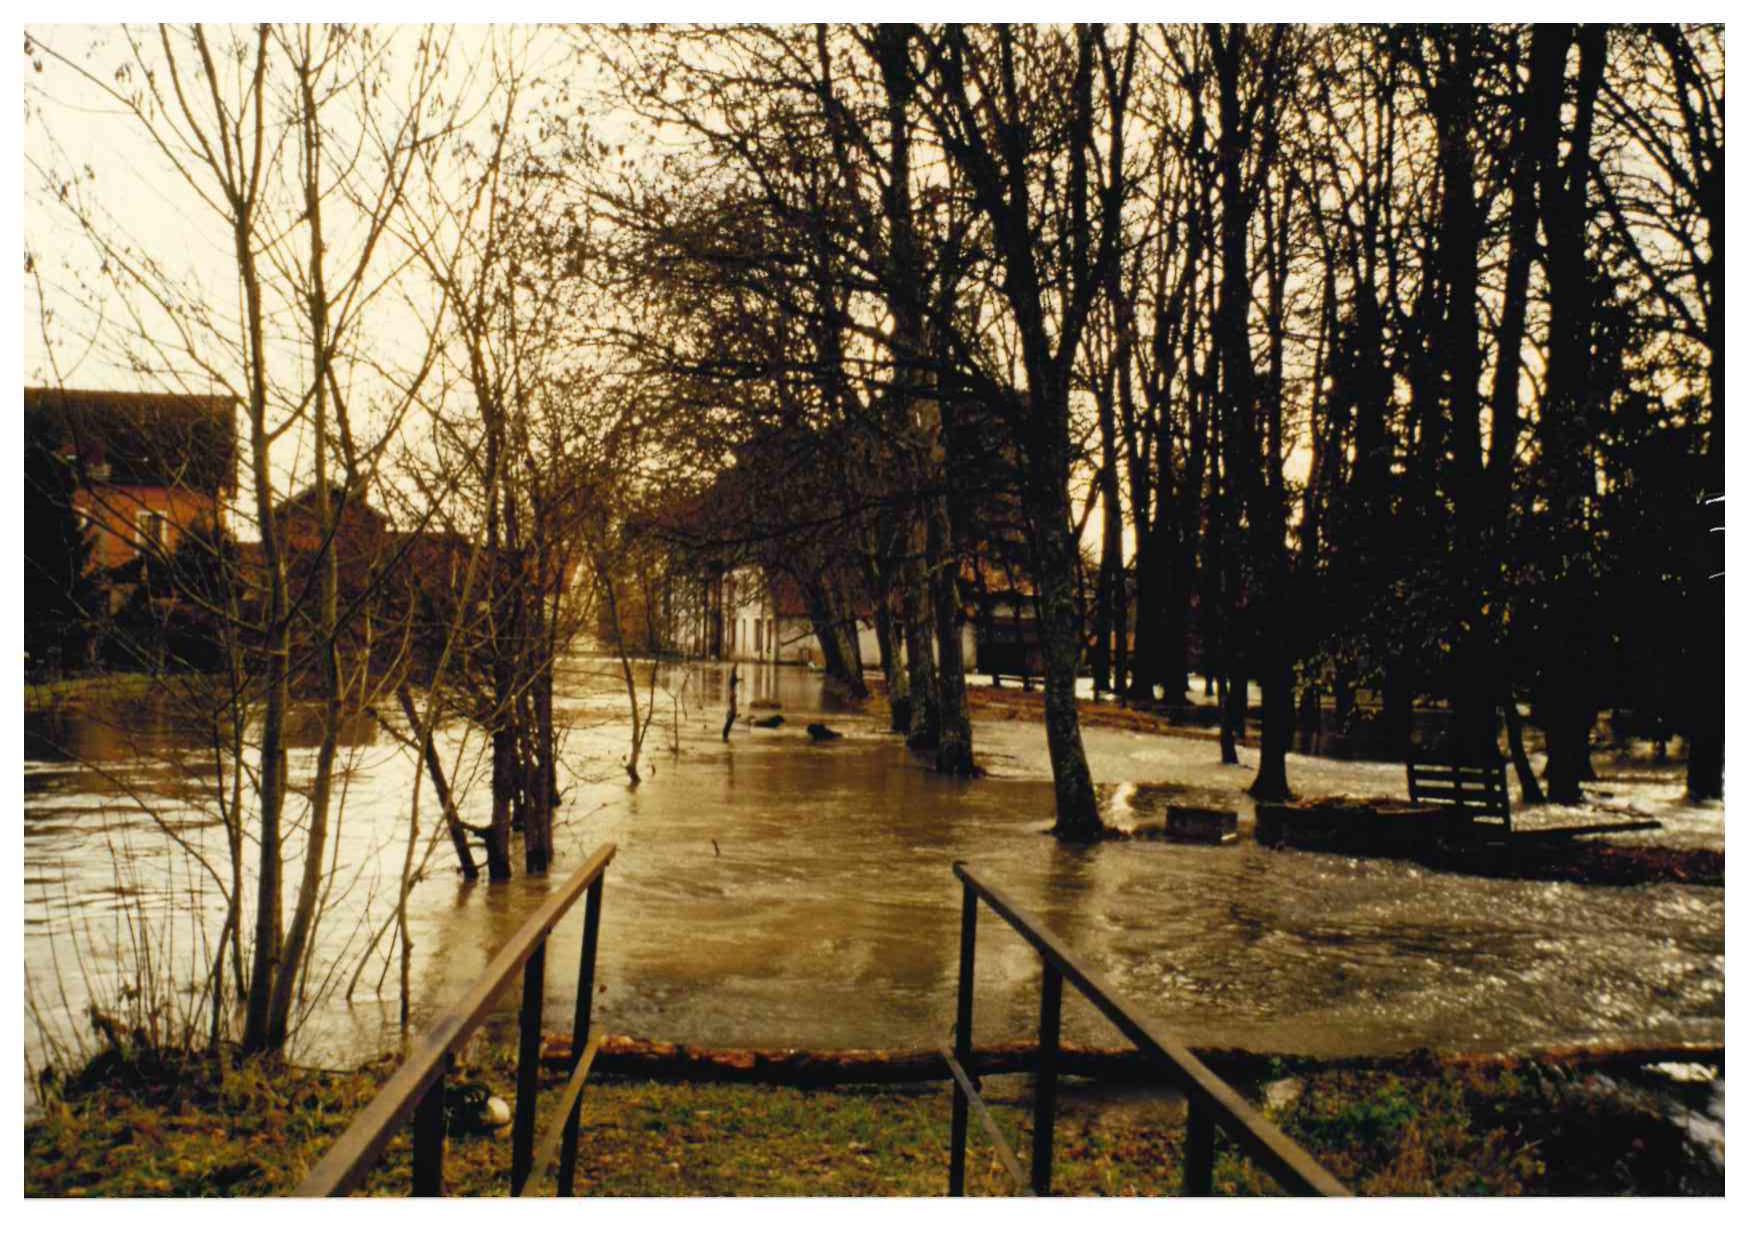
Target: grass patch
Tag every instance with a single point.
(167, 1127)
(99, 687)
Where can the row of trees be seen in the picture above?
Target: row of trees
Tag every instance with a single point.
(1389, 357)
(1386, 359)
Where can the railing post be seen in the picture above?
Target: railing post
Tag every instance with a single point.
(962, 1040)
(1199, 1153)
(428, 1131)
(1044, 1087)
(580, 1031)
(527, 1069)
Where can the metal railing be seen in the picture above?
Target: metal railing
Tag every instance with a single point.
(418, 1089)
(1212, 1103)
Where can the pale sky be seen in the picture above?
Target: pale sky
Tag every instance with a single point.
(130, 190)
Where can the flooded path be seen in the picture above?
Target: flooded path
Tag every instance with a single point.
(774, 891)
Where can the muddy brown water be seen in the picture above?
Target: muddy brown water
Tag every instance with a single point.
(774, 891)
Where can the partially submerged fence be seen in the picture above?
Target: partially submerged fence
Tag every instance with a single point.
(418, 1089)
(1213, 1104)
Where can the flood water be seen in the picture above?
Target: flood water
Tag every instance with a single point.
(774, 891)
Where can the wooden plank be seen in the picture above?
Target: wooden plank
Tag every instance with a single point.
(639, 1059)
(430, 1126)
(1474, 805)
(1282, 1157)
(581, 1023)
(975, 1101)
(1044, 1085)
(1559, 833)
(962, 1037)
(573, 1092)
(527, 1069)
(1198, 1178)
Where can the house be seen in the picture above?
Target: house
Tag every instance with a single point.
(751, 614)
(148, 467)
(1004, 617)
(698, 628)
(728, 614)
(743, 614)
(362, 541)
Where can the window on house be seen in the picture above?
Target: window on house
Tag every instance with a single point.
(149, 525)
(759, 635)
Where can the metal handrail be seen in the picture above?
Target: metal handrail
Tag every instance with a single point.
(1212, 1102)
(417, 1088)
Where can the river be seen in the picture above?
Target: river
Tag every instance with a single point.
(779, 892)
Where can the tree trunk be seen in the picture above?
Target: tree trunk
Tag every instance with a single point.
(828, 630)
(1251, 475)
(1567, 726)
(1526, 775)
(1106, 626)
(1453, 96)
(1568, 439)
(919, 649)
(953, 755)
(439, 783)
(1346, 700)
(537, 847)
(892, 658)
(1234, 706)
(1277, 635)
(503, 798)
(1535, 145)
(1705, 726)
(1310, 717)
(1397, 712)
(849, 646)
(733, 695)
(326, 638)
(1143, 668)
(1044, 494)
(1077, 815)
(256, 1032)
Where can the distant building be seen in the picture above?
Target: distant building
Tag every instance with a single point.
(732, 615)
(362, 541)
(149, 467)
(750, 615)
(1004, 616)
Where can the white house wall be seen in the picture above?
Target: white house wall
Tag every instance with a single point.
(749, 631)
(753, 632)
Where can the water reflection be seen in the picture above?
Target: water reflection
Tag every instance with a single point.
(775, 891)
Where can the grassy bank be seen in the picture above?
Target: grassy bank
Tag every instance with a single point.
(1425, 1125)
(98, 687)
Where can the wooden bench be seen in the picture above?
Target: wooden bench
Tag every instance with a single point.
(1477, 789)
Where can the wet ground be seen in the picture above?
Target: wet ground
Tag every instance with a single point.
(776, 891)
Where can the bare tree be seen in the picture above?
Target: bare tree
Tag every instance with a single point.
(248, 123)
